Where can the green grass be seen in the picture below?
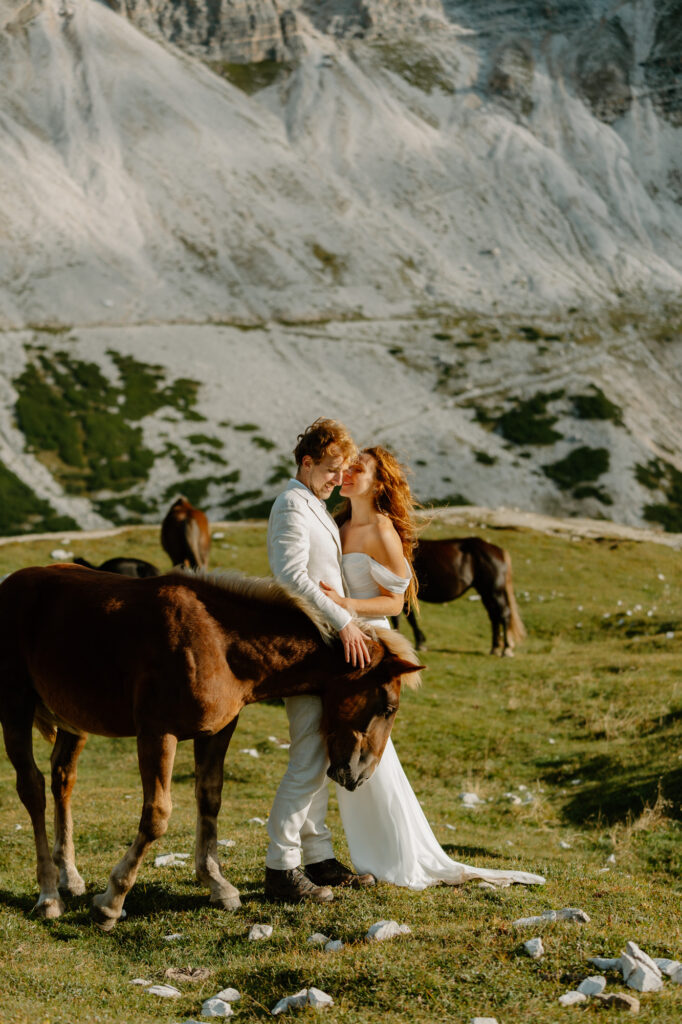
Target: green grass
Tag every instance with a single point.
(605, 690)
(528, 422)
(580, 466)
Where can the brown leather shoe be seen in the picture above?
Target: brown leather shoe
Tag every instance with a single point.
(294, 886)
(331, 872)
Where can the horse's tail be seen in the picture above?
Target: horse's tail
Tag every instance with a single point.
(517, 630)
(45, 723)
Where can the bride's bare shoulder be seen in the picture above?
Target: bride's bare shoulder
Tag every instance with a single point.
(388, 548)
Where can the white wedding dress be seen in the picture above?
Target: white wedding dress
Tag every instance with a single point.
(386, 829)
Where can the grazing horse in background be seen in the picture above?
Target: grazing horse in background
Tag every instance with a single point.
(167, 659)
(135, 567)
(185, 535)
(446, 569)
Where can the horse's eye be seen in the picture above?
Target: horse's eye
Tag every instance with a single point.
(389, 712)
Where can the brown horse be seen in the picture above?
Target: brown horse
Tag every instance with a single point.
(446, 569)
(135, 567)
(168, 659)
(185, 535)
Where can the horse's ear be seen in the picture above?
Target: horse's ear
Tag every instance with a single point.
(409, 671)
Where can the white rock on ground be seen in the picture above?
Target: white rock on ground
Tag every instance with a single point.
(228, 995)
(306, 997)
(333, 946)
(593, 985)
(165, 860)
(173, 937)
(256, 821)
(644, 980)
(603, 963)
(483, 1020)
(667, 966)
(639, 970)
(573, 914)
(165, 991)
(534, 948)
(571, 998)
(676, 976)
(215, 1007)
(251, 751)
(633, 950)
(386, 930)
(226, 842)
(140, 981)
(471, 799)
(259, 931)
(318, 939)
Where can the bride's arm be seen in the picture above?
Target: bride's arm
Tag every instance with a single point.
(371, 607)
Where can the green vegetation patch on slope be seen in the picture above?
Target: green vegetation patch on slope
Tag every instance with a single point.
(668, 513)
(528, 422)
(582, 465)
(84, 428)
(22, 511)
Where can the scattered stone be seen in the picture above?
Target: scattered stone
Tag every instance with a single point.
(226, 842)
(603, 963)
(140, 981)
(251, 751)
(18, 828)
(306, 997)
(165, 860)
(573, 914)
(165, 991)
(318, 939)
(333, 946)
(488, 885)
(643, 980)
(256, 821)
(173, 937)
(471, 799)
(216, 1008)
(386, 930)
(676, 976)
(228, 995)
(571, 998)
(592, 986)
(633, 950)
(259, 931)
(60, 555)
(564, 844)
(483, 1020)
(611, 859)
(666, 966)
(188, 973)
(619, 1000)
(534, 948)
(447, 825)
(513, 798)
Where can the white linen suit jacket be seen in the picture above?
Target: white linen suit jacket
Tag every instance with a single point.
(304, 547)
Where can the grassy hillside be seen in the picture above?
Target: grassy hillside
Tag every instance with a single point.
(587, 717)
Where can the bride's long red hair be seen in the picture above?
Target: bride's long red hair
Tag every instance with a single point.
(392, 497)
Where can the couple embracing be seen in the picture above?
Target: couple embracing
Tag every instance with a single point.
(357, 565)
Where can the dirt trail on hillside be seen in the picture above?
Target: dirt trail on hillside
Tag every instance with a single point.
(462, 516)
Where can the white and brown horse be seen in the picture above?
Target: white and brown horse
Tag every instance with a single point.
(166, 659)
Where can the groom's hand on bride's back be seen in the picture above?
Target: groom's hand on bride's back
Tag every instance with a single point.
(354, 645)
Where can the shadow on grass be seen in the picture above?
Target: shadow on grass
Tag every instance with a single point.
(457, 852)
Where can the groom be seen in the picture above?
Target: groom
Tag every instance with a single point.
(303, 548)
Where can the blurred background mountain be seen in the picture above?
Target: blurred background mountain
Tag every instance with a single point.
(456, 226)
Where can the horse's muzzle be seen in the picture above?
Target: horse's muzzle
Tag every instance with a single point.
(343, 774)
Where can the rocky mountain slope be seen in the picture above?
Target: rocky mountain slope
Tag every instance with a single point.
(455, 225)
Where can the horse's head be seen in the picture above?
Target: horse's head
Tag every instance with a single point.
(360, 707)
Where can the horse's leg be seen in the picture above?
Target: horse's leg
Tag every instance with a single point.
(419, 638)
(64, 758)
(17, 730)
(155, 756)
(495, 603)
(209, 757)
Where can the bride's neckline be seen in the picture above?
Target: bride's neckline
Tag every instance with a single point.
(364, 554)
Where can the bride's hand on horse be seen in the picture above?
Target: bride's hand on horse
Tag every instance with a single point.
(354, 645)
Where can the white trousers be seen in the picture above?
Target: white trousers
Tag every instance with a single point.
(296, 824)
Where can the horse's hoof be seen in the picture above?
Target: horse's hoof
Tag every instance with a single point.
(49, 908)
(73, 886)
(102, 917)
(227, 902)
(507, 653)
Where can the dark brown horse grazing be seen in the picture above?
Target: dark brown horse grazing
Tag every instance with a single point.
(136, 567)
(446, 569)
(166, 659)
(185, 535)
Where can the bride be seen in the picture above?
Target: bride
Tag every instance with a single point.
(387, 831)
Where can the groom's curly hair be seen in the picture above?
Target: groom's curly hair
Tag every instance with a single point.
(320, 437)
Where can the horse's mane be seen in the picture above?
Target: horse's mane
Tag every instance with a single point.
(262, 588)
(401, 647)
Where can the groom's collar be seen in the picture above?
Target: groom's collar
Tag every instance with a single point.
(312, 498)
